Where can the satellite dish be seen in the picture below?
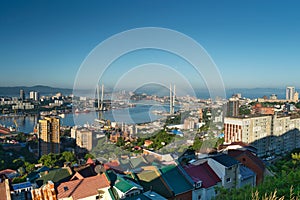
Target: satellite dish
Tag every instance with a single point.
(99, 169)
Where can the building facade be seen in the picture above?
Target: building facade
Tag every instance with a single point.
(290, 93)
(22, 95)
(49, 135)
(34, 95)
(233, 107)
(84, 138)
(270, 134)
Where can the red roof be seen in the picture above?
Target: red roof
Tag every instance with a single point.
(4, 130)
(112, 164)
(8, 171)
(82, 188)
(203, 173)
(90, 161)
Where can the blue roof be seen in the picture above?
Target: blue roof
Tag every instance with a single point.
(20, 186)
(177, 132)
(225, 160)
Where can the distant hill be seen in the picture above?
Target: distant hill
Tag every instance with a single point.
(257, 92)
(158, 90)
(43, 90)
(203, 93)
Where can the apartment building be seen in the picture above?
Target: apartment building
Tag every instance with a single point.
(270, 134)
(49, 135)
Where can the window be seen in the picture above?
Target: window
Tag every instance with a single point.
(228, 180)
(199, 197)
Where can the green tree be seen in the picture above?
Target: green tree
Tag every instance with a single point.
(88, 155)
(22, 171)
(197, 143)
(68, 156)
(18, 162)
(49, 160)
(120, 142)
(29, 167)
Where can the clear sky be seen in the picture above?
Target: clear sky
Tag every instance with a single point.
(254, 43)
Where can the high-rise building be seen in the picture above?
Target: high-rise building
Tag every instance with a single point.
(34, 95)
(296, 97)
(233, 107)
(84, 138)
(49, 135)
(290, 93)
(22, 95)
(31, 95)
(269, 134)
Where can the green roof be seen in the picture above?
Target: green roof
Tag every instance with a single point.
(111, 176)
(138, 162)
(152, 180)
(123, 185)
(167, 168)
(139, 196)
(176, 180)
(112, 193)
(56, 176)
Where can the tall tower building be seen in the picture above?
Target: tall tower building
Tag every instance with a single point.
(296, 97)
(49, 135)
(33, 95)
(233, 107)
(36, 96)
(290, 93)
(22, 95)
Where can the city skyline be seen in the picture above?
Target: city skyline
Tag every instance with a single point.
(252, 43)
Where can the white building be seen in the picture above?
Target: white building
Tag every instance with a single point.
(290, 92)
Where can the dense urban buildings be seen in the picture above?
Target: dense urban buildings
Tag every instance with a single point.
(270, 134)
(49, 135)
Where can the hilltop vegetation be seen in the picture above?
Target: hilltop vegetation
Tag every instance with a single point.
(285, 184)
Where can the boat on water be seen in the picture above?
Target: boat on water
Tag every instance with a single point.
(82, 111)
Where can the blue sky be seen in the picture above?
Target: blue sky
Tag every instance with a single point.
(253, 43)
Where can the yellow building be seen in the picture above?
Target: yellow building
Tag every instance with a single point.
(49, 135)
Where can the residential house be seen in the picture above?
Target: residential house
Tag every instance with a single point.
(94, 187)
(37, 173)
(168, 182)
(151, 180)
(4, 188)
(203, 178)
(57, 176)
(227, 169)
(246, 177)
(21, 190)
(149, 195)
(178, 183)
(47, 191)
(126, 188)
(251, 161)
(9, 173)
